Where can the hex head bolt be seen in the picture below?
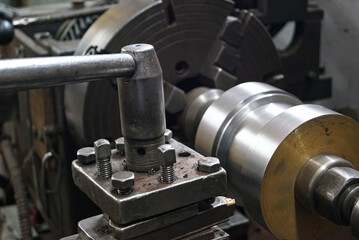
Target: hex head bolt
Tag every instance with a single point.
(167, 157)
(123, 181)
(103, 158)
(86, 155)
(209, 165)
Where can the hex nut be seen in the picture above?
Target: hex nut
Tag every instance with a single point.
(123, 180)
(329, 190)
(102, 149)
(209, 165)
(86, 155)
(120, 145)
(168, 135)
(167, 155)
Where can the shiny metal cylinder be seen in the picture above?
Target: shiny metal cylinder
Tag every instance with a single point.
(309, 176)
(328, 186)
(264, 137)
(198, 100)
(142, 109)
(229, 130)
(29, 73)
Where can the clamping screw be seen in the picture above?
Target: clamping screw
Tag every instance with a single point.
(167, 157)
(120, 145)
(123, 181)
(103, 158)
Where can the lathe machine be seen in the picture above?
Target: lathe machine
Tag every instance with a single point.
(184, 120)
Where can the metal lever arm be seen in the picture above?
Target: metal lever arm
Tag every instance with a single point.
(29, 73)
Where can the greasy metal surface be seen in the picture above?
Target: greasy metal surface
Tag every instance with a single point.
(153, 224)
(180, 224)
(210, 213)
(94, 228)
(197, 44)
(150, 197)
(142, 109)
(21, 74)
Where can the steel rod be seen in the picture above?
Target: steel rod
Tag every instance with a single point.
(58, 17)
(29, 73)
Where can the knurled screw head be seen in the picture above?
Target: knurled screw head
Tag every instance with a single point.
(123, 181)
(120, 145)
(102, 149)
(168, 135)
(167, 155)
(86, 155)
(209, 165)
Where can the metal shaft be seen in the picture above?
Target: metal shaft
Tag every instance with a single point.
(264, 136)
(29, 73)
(142, 109)
(57, 17)
(328, 186)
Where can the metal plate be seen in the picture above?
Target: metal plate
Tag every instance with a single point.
(195, 227)
(149, 196)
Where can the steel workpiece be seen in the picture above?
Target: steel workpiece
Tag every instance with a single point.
(29, 73)
(228, 130)
(198, 100)
(263, 137)
(142, 109)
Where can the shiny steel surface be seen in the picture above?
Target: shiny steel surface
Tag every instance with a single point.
(310, 174)
(229, 129)
(233, 106)
(329, 191)
(263, 137)
(29, 73)
(198, 100)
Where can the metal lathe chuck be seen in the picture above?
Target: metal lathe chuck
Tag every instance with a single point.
(292, 164)
(201, 43)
